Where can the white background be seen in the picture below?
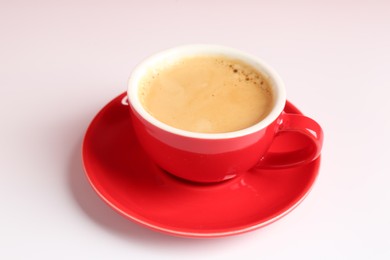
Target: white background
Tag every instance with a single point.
(61, 61)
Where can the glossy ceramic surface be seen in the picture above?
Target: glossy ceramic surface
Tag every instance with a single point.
(127, 180)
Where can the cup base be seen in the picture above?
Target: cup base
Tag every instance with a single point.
(197, 183)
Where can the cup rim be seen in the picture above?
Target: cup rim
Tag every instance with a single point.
(207, 49)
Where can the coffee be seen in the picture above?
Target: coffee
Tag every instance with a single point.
(207, 94)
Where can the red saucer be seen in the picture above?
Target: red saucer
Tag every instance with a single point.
(127, 180)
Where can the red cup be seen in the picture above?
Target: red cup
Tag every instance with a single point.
(215, 157)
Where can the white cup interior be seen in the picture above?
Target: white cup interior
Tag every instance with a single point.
(166, 57)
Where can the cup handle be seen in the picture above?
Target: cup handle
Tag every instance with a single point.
(302, 125)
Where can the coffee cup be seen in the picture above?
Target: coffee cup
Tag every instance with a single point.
(208, 113)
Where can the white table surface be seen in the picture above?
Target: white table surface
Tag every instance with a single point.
(61, 61)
